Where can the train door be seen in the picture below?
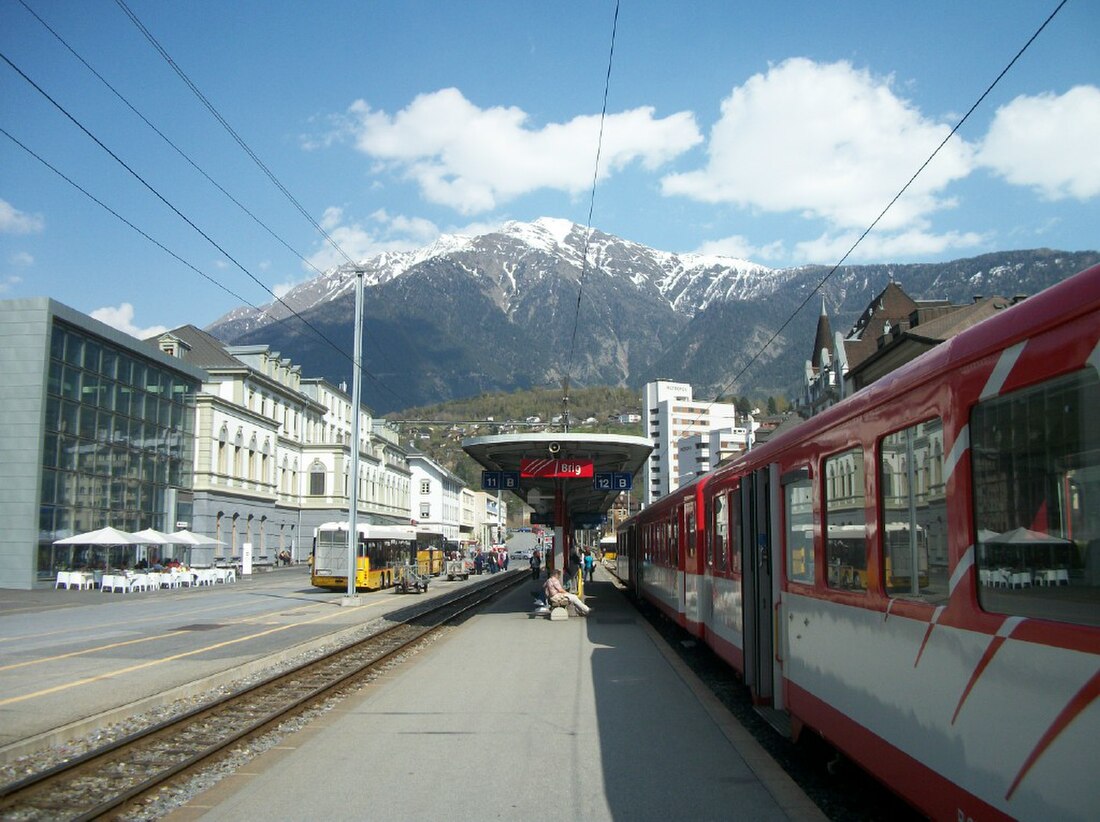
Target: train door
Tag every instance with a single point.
(758, 596)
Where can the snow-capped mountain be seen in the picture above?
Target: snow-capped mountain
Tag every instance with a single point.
(529, 303)
(688, 282)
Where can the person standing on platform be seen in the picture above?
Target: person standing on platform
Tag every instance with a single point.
(589, 564)
(556, 595)
(573, 570)
(536, 564)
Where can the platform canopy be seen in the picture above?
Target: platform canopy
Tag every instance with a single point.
(562, 469)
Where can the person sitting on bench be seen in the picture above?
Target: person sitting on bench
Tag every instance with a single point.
(556, 595)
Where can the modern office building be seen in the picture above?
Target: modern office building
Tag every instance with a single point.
(98, 431)
(670, 414)
(699, 453)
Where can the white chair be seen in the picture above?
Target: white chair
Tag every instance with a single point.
(1061, 576)
(62, 580)
(142, 582)
(1020, 579)
(115, 582)
(79, 579)
(985, 576)
(204, 577)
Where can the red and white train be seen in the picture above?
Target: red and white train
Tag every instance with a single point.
(914, 574)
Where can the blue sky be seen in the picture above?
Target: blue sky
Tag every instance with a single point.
(768, 131)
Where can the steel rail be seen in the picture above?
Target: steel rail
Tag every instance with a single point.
(58, 789)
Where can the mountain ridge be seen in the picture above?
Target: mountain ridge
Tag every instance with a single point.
(521, 308)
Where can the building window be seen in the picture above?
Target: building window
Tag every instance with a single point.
(317, 480)
(425, 510)
(425, 486)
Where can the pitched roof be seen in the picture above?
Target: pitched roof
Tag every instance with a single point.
(206, 351)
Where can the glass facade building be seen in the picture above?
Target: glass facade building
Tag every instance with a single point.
(103, 436)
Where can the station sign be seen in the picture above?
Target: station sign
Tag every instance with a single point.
(556, 468)
(499, 480)
(546, 519)
(587, 520)
(613, 481)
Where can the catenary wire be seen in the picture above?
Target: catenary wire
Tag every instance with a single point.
(260, 311)
(167, 139)
(187, 220)
(592, 198)
(232, 133)
(882, 214)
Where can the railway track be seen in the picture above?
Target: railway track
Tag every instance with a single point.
(109, 781)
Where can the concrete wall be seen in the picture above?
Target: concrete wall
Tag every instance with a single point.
(24, 353)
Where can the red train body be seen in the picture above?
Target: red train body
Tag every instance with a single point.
(914, 574)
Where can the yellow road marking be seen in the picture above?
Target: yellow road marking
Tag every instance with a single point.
(99, 677)
(41, 660)
(130, 622)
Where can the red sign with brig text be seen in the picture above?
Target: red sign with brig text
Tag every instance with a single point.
(555, 468)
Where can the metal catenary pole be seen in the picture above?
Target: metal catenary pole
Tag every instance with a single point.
(353, 495)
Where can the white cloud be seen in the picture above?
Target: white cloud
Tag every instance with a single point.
(827, 141)
(473, 159)
(741, 248)
(122, 319)
(14, 221)
(360, 242)
(1048, 142)
(21, 259)
(906, 245)
(7, 283)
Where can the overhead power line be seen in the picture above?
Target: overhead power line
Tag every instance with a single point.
(591, 209)
(232, 133)
(889, 205)
(181, 215)
(168, 140)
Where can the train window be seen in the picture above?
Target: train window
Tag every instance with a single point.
(914, 513)
(735, 531)
(1035, 456)
(721, 534)
(689, 528)
(845, 528)
(800, 530)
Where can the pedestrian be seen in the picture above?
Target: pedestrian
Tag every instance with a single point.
(536, 564)
(573, 570)
(589, 565)
(479, 562)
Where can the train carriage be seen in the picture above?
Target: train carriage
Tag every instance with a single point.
(380, 551)
(914, 574)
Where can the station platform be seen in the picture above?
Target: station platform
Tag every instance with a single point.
(515, 717)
